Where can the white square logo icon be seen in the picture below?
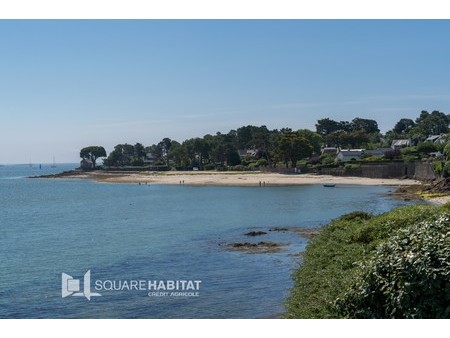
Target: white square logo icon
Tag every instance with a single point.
(73, 285)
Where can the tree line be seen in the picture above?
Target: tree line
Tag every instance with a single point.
(269, 147)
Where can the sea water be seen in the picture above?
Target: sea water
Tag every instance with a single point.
(154, 233)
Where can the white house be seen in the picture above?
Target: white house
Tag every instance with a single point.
(86, 164)
(346, 155)
(247, 152)
(329, 150)
(442, 138)
(397, 144)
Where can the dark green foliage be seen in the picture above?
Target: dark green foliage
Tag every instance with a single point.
(233, 157)
(346, 134)
(447, 151)
(178, 155)
(122, 155)
(157, 152)
(327, 126)
(409, 151)
(438, 166)
(245, 136)
(327, 159)
(352, 166)
(313, 138)
(432, 123)
(328, 270)
(403, 126)
(355, 216)
(209, 166)
(198, 150)
(139, 151)
(261, 138)
(261, 163)
(446, 169)
(348, 139)
(293, 147)
(238, 167)
(93, 153)
(440, 146)
(426, 147)
(410, 154)
(165, 145)
(366, 125)
(407, 277)
(137, 162)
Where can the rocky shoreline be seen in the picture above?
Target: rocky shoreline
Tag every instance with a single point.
(262, 246)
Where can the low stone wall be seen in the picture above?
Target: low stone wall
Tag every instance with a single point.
(301, 169)
(417, 170)
(425, 171)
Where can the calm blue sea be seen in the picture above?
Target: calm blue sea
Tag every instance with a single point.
(155, 232)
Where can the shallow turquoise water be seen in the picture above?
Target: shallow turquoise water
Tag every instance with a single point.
(155, 232)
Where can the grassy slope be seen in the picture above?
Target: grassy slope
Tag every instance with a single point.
(328, 268)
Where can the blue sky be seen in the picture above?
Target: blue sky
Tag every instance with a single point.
(69, 84)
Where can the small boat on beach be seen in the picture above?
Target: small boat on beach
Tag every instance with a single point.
(329, 185)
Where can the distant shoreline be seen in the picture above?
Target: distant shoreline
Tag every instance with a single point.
(229, 178)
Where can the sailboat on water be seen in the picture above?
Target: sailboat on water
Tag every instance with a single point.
(54, 163)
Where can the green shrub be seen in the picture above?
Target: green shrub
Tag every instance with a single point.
(446, 169)
(355, 216)
(438, 166)
(447, 151)
(352, 165)
(440, 146)
(410, 158)
(261, 162)
(137, 162)
(407, 277)
(426, 147)
(409, 151)
(371, 158)
(328, 158)
(328, 269)
(209, 166)
(238, 167)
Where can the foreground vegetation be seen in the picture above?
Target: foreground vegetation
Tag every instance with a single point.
(395, 265)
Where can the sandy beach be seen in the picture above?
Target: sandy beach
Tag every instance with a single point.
(233, 178)
(440, 200)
